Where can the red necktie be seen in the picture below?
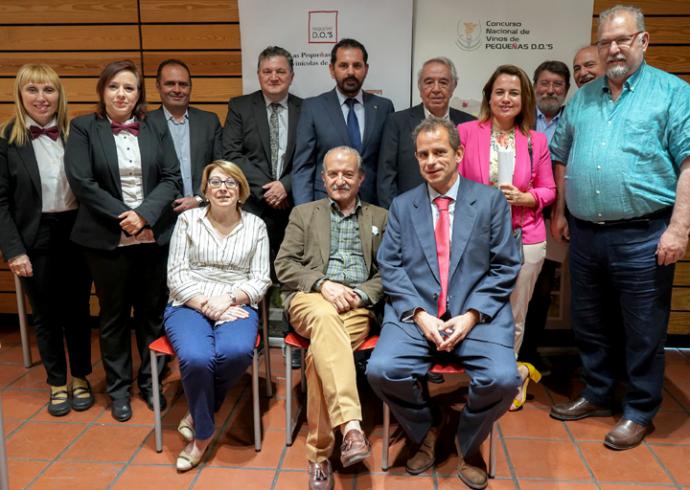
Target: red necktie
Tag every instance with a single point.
(132, 128)
(52, 132)
(442, 234)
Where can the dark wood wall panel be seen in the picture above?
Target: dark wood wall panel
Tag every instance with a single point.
(203, 36)
(88, 63)
(67, 11)
(189, 11)
(649, 7)
(204, 89)
(62, 38)
(662, 30)
(201, 63)
(675, 59)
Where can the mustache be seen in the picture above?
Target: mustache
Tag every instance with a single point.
(351, 79)
(618, 57)
(341, 187)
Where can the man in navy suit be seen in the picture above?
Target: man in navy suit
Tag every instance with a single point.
(196, 134)
(448, 263)
(344, 116)
(398, 168)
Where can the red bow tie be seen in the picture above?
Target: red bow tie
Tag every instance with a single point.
(52, 132)
(132, 128)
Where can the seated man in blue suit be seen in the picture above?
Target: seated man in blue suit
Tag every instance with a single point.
(344, 116)
(448, 263)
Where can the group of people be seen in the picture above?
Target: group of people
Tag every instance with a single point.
(453, 265)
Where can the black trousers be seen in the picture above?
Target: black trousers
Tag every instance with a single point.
(59, 293)
(131, 285)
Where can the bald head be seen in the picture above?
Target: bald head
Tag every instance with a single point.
(587, 65)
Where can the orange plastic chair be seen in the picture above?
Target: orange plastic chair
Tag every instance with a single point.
(295, 341)
(162, 347)
(444, 369)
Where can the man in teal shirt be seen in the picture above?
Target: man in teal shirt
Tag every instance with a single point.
(622, 166)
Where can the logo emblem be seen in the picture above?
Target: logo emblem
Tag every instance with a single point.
(469, 35)
(323, 27)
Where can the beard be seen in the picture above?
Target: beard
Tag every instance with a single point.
(549, 105)
(617, 72)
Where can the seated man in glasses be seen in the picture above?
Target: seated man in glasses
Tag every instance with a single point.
(328, 271)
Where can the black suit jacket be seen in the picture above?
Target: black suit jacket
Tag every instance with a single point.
(20, 197)
(246, 142)
(93, 173)
(322, 127)
(205, 136)
(398, 168)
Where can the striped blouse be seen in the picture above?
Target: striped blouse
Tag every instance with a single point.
(203, 262)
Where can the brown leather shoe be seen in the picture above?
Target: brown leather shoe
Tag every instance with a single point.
(320, 476)
(472, 472)
(355, 448)
(425, 456)
(578, 409)
(627, 435)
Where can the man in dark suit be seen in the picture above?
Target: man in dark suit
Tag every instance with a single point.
(196, 134)
(259, 136)
(344, 116)
(446, 302)
(398, 168)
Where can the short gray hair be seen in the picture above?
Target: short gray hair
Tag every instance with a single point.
(432, 124)
(442, 60)
(345, 149)
(609, 14)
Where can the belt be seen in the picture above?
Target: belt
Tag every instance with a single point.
(662, 213)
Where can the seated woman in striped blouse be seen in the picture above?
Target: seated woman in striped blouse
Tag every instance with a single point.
(218, 271)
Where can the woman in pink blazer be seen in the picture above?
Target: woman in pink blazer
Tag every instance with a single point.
(506, 116)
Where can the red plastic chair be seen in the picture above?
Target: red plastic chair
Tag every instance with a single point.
(295, 341)
(444, 369)
(162, 347)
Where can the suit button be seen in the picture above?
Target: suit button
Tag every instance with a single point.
(435, 296)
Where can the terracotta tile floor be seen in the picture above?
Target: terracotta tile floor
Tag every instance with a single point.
(89, 450)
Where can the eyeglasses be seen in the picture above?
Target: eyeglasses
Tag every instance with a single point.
(216, 182)
(621, 42)
(557, 84)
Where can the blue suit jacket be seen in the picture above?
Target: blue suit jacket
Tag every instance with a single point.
(484, 260)
(321, 127)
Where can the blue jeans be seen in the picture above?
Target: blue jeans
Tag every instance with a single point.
(620, 261)
(212, 359)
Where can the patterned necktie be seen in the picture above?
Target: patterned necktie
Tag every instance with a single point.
(442, 235)
(353, 126)
(275, 134)
(132, 128)
(52, 132)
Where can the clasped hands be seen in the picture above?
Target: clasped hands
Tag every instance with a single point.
(446, 334)
(219, 308)
(342, 297)
(132, 223)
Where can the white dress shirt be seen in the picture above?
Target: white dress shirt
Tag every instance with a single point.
(56, 194)
(131, 177)
(204, 262)
(282, 130)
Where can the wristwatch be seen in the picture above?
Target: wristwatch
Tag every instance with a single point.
(200, 200)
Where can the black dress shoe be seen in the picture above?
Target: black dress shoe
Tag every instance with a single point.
(121, 409)
(148, 398)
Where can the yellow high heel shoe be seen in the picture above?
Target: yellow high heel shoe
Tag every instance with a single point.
(532, 374)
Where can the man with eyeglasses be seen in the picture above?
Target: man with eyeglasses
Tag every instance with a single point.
(622, 165)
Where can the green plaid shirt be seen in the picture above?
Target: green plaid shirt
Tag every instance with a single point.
(346, 263)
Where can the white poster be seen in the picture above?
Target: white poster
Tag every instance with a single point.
(481, 35)
(310, 28)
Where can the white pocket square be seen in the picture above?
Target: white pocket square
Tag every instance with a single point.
(374, 230)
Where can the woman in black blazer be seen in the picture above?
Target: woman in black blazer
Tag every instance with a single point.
(125, 174)
(37, 212)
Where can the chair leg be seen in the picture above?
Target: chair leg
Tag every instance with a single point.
(267, 351)
(255, 401)
(23, 324)
(492, 451)
(156, 402)
(386, 436)
(288, 395)
(303, 372)
(4, 475)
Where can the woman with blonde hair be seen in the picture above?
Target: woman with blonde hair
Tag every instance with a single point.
(37, 213)
(218, 271)
(503, 137)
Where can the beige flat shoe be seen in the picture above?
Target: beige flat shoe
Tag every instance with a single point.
(186, 461)
(186, 429)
